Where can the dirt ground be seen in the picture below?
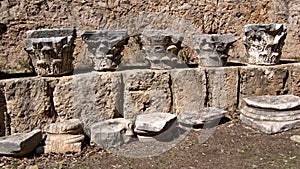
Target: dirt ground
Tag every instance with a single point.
(232, 145)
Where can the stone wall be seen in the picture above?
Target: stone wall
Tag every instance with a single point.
(32, 102)
(186, 17)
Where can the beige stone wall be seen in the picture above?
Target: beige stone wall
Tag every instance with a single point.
(185, 16)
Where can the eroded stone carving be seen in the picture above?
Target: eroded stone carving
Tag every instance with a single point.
(264, 43)
(106, 47)
(51, 50)
(212, 49)
(161, 48)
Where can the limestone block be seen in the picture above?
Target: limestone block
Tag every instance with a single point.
(265, 80)
(20, 144)
(63, 143)
(146, 91)
(72, 126)
(223, 83)
(188, 89)
(112, 133)
(29, 104)
(91, 97)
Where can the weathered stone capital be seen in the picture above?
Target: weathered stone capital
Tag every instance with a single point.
(106, 47)
(161, 48)
(51, 50)
(264, 42)
(212, 49)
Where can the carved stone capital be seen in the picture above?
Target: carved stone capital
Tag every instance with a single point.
(51, 50)
(212, 49)
(106, 47)
(264, 43)
(161, 48)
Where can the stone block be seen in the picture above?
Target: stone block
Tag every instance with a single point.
(20, 144)
(223, 84)
(295, 76)
(29, 104)
(146, 91)
(188, 90)
(72, 126)
(91, 97)
(63, 143)
(265, 80)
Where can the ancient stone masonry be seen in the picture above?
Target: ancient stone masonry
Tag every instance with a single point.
(213, 49)
(51, 51)
(161, 48)
(264, 43)
(106, 47)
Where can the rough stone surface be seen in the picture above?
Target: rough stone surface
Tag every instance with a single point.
(201, 116)
(213, 49)
(188, 89)
(265, 80)
(29, 104)
(296, 138)
(295, 77)
(91, 97)
(51, 50)
(264, 43)
(282, 102)
(2, 111)
(270, 127)
(152, 122)
(72, 126)
(63, 143)
(106, 47)
(20, 144)
(112, 133)
(161, 48)
(146, 91)
(223, 87)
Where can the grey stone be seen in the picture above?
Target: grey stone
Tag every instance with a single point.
(72, 126)
(51, 50)
(296, 138)
(112, 133)
(264, 43)
(270, 127)
(106, 47)
(20, 144)
(161, 48)
(281, 102)
(146, 91)
(63, 143)
(153, 122)
(200, 117)
(213, 49)
(183, 82)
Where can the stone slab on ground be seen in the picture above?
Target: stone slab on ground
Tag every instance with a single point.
(223, 83)
(146, 91)
(153, 122)
(269, 127)
(188, 89)
(91, 97)
(281, 102)
(63, 143)
(201, 116)
(112, 133)
(20, 144)
(72, 126)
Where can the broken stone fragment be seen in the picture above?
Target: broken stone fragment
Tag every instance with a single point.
(51, 50)
(296, 138)
(212, 49)
(153, 122)
(63, 143)
(20, 144)
(106, 47)
(194, 118)
(281, 102)
(73, 126)
(112, 133)
(161, 48)
(264, 43)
